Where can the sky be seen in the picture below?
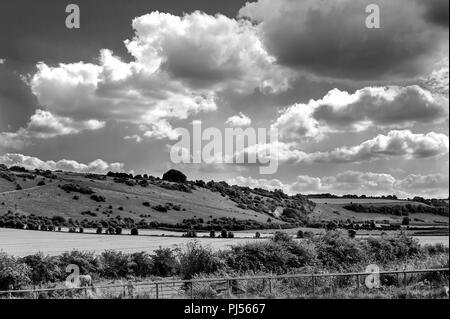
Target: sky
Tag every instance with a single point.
(358, 110)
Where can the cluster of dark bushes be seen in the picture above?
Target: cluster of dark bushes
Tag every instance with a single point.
(328, 195)
(77, 189)
(333, 251)
(399, 210)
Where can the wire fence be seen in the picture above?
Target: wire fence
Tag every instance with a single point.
(304, 285)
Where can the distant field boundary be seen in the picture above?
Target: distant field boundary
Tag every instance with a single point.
(225, 284)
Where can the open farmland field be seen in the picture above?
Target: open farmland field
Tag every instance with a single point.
(333, 209)
(343, 201)
(23, 242)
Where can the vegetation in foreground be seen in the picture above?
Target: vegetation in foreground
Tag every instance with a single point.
(334, 251)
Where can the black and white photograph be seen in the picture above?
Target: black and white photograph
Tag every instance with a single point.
(210, 150)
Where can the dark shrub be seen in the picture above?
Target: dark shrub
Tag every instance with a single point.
(280, 236)
(81, 230)
(224, 233)
(174, 176)
(160, 208)
(147, 204)
(300, 234)
(41, 183)
(406, 221)
(43, 268)
(352, 233)
(98, 198)
(164, 262)
(230, 235)
(331, 226)
(115, 264)
(258, 235)
(86, 261)
(118, 230)
(212, 234)
(77, 188)
(141, 264)
(134, 232)
(195, 259)
(13, 273)
(99, 230)
(337, 251)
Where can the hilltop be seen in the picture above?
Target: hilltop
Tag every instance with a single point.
(145, 201)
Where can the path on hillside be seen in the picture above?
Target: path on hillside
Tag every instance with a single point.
(26, 189)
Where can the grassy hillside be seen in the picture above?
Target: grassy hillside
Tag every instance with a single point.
(52, 194)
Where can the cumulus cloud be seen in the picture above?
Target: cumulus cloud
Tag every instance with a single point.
(331, 39)
(238, 120)
(44, 125)
(179, 64)
(395, 144)
(403, 143)
(391, 106)
(355, 182)
(2, 61)
(98, 166)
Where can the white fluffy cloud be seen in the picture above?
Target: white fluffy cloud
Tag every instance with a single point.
(179, 65)
(435, 185)
(238, 120)
(2, 61)
(391, 106)
(402, 143)
(395, 144)
(98, 166)
(43, 125)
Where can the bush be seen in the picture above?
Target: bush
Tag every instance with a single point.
(174, 176)
(258, 235)
(41, 183)
(300, 234)
(13, 273)
(337, 251)
(115, 264)
(160, 208)
(77, 188)
(141, 264)
(281, 237)
(267, 256)
(224, 233)
(164, 262)
(98, 198)
(406, 221)
(86, 261)
(212, 234)
(134, 232)
(43, 269)
(118, 230)
(230, 235)
(99, 230)
(196, 259)
(351, 233)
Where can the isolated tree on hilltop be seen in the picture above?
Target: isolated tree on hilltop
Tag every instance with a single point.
(174, 176)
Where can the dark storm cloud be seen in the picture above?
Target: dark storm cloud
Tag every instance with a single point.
(17, 103)
(329, 38)
(436, 11)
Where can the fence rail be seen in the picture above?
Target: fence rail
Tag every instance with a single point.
(163, 288)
